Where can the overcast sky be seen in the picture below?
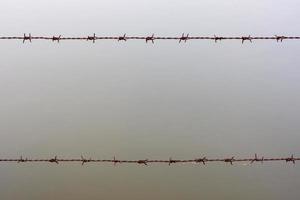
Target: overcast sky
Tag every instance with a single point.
(135, 100)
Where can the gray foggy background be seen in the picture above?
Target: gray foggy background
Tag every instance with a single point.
(135, 100)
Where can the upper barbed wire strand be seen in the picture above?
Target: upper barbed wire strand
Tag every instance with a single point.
(183, 38)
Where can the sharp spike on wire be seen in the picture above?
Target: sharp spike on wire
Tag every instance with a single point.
(184, 38)
(171, 161)
(150, 38)
(246, 38)
(201, 160)
(122, 38)
(54, 160)
(291, 159)
(93, 38)
(143, 162)
(229, 160)
(116, 161)
(255, 159)
(22, 159)
(27, 37)
(55, 38)
(216, 38)
(83, 160)
(280, 38)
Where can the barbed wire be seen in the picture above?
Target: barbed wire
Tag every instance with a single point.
(183, 38)
(204, 160)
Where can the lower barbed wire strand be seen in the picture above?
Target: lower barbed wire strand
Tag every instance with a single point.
(169, 161)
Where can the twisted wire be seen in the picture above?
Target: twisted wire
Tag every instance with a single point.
(204, 160)
(183, 38)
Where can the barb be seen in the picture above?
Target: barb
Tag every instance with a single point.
(218, 38)
(54, 160)
(246, 38)
(122, 38)
(230, 160)
(291, 159)
(280, 38)
(256, 159)
(22, 160)
(204, 160)
(171, 161)
(115, 161)
(83, 160)
(143, 162)
(93, 38)
(54, 38)
(151, 38)
(182, 38)
(27, 37)
(201, 160)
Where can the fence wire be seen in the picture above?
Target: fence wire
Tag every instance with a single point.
(183, 38)
(204, 160)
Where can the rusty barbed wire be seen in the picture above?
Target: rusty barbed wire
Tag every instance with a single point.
(204, 160)
(183, 38)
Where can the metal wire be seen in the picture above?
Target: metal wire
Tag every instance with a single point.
(152, 38)
(170, 161)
